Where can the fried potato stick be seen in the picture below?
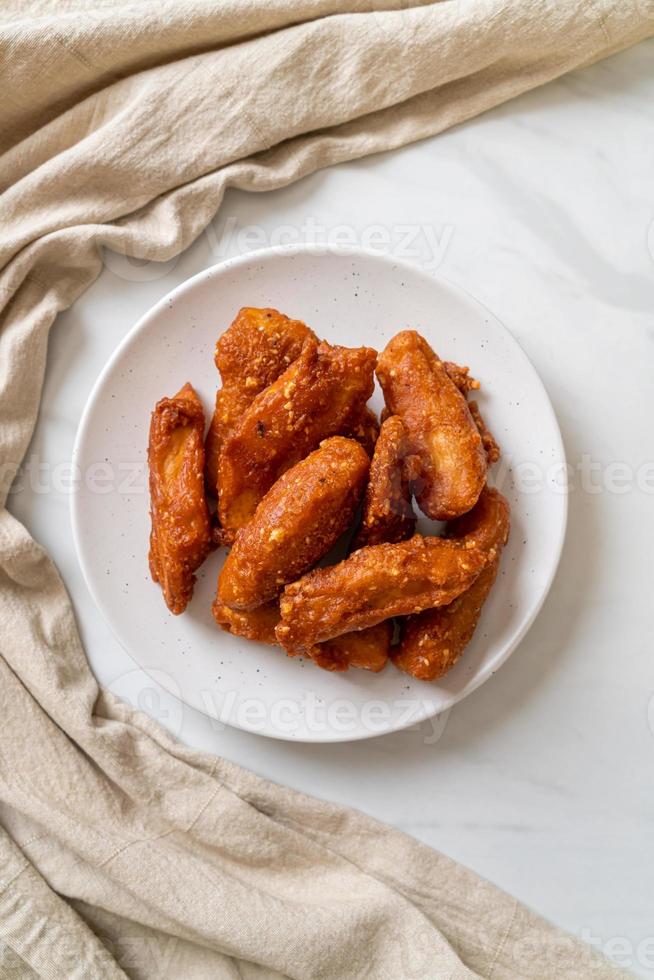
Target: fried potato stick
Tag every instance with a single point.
(433, 641)
(442, 432)
(296, 523)
(373, 584)
(310, 401)
(180, 536)
(254, 350)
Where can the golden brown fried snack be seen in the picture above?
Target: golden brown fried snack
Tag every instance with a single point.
(373, 584)
(387, 511)
(367, 649)
(212, 446)
(180, 536)
(461, 377)
(253, 624)
(309, 402)
(486, 526)
(297, 522)
(417, 387)
(432, 641)
(388, 517)
(465, 383)
(364, 427)
(491, 446)
(254, 350)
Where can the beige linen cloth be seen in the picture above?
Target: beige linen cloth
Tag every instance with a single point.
(123, 853)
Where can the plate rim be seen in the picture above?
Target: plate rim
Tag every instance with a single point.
(319, 249)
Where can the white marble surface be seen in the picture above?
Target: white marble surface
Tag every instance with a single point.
(543, 209)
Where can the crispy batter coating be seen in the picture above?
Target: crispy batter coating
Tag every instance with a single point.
(388, 517)
(465, 383)
(373, 584)
(432, 641)
(297, 522)
(491, 446)
(387, 510)
(180, 536)
(254, 350)
(440, 427)
(461, 377)
(253, 624)
(486, 526)
(309, 402)
(367, 649)
(364, 427)
(212, 444)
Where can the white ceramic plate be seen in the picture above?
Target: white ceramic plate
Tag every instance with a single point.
(349, 297)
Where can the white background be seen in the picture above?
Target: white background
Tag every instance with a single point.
(543, 209)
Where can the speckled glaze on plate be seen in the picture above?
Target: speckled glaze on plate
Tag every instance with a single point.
(350, 297)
